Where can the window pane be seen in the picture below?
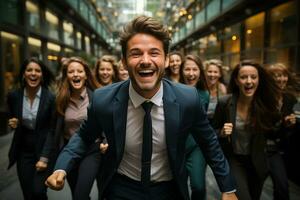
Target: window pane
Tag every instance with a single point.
(213, 9)
(68, 33)
(10, 11)
(87, 44)
(254, 31)
(232, 38)
(34, 47)
(213, 45)
(11, 46)
(33, 16)
(52, 22)
(79, 42)
(284, 24)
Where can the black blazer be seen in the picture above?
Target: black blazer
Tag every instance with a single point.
(226, 113)
(43, 127)
(183, 115)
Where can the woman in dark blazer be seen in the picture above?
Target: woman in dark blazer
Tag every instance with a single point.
(30, 108)
(244, 121)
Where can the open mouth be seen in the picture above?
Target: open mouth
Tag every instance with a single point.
(33, 80)
(146, 73)
(76, 82)
(248, 89)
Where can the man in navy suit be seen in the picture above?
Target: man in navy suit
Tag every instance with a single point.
(117, 111)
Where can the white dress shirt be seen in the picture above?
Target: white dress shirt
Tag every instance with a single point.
(30, 111)
(130, 165)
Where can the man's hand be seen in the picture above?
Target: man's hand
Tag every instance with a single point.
(229, 196)
(56, 181)
(41, 166)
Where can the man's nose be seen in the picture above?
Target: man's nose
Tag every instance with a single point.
(145, 59)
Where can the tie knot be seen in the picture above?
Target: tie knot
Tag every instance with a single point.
(147, 105)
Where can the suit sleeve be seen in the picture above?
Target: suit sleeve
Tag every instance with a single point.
(49, 147)
(207, 139)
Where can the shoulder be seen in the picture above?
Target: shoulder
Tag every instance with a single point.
(179, 89)
(15, 94)
(47, 92)
(225, 99)
(222, 88)
(108, 93)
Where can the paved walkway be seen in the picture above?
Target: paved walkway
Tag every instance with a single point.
(10, 188)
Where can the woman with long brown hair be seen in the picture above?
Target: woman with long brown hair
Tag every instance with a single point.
(73, 98)
(244, 121)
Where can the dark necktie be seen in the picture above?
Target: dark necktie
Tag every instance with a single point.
(147, 144)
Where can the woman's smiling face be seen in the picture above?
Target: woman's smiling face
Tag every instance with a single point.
(76, 76)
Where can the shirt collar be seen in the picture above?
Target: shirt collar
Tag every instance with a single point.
(83, 93)
(38, 94)
(137, 99)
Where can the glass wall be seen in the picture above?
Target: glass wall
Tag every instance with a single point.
(34, 47)
(283, 34)
(68, 33)
(213, 46)
(11, 47)
(53, 54)
(52, 22)
(254, 37)
(33, 14)
(87, 44)
(79, 40)
(10, 11)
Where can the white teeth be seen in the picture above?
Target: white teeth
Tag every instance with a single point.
(146, 71)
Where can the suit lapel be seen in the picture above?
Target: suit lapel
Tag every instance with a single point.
(232, 112)
(42, 106)
(172, 119)
(20, 96)
(120, 106)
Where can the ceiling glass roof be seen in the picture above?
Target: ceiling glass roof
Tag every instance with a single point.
(117, 12)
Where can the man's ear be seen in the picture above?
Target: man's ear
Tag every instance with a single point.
(167, 61)
(124, 63)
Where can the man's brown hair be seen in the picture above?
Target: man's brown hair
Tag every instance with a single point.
(148, 25)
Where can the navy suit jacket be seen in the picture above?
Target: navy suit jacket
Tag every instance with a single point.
(184, 114)
(43, 127)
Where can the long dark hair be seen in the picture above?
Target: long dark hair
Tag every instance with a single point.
(64, 91)
(201, 83)
(47, 76)
(167, 70)
(264, 110)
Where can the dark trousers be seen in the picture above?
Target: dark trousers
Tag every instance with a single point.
(83, 173)
(87, 173)
(124, 188)
(32, 182)
(279, 176)
(249, 185)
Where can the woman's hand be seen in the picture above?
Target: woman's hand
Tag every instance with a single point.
(13, 123)
(227, 129)
(103, 147)
(41, 166)
(289, 120)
